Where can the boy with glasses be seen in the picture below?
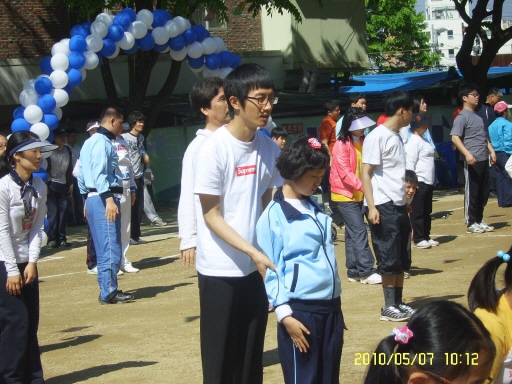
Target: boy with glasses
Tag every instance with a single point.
(470, 137)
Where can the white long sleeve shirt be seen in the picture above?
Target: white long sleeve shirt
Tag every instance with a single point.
(419, 155)
(186, 211)
(21, 223)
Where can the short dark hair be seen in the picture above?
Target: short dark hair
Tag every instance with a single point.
(355, 97)
(242, 80)
(396, 100)
(331, 105)
(349, 116)
(495, 92)
(417, 102)
(70, 131)
(202, 94)
(410, 176)
(299, 157)
(111, 111)
(465, 89)
(7, 162)
(134, 117)
(278, 132)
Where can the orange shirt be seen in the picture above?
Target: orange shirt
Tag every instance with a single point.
(456, 112)
(382, 118)
(327, 131)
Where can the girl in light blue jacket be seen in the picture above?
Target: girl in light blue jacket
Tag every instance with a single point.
(305, 288)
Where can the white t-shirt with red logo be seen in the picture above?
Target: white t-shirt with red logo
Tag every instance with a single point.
(240, 173)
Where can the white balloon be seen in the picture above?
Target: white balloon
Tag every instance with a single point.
(91, 60)
(46, 155)
(209, 46)
(197, 69)
(180, 21)
(9, 135)
(195, 50)
(146, 17)
(59, 78)
(44, 164)
(173, 28)
(99, 28)
(60, 48)
(179, 55)
(33, 114)
(66, 43)
(220, 44)
(213, 73)
(161, 35)
(58, 112)
(29, 84)
(59, 61)
(83, 72)
(269, 125)
(106, 18)
(138, 29)
(114, 55)
(28, 97)
(94, 42)
(223, 72)
(187, 24)
(127, 42)
(41, 130)
(44, 239)
(60, 96)
(166, 50)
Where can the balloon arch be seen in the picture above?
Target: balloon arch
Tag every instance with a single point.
(42, 98)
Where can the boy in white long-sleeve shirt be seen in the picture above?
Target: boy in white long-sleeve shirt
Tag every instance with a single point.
(207, 101)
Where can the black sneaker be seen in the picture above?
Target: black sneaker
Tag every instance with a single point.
(405, 308)
(118, 297)
(52, 244)
(64, 244)
(392, 313)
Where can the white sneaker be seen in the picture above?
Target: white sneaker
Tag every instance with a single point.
(129, 269)
(93, 271)
(119, 273)
(485, 227)
(133, 242)
(474, 228)
(354, 279)
(140, 241)
(372, 279)
(424, 244)
(433, 243)
(406, 275)
(158, 223)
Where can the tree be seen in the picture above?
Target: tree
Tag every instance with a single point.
(479, 24)
(396, 38)
(141, 64)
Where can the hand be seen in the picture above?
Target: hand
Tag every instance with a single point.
(187, 256)
(262, 263)
(132, 194)
(296, 330)
(493, 157)
(373, 215)
(148, 175)
(30, 273)
(14, 285)
(111, 209)
(70, 192)
(470, 159)
(85, 212)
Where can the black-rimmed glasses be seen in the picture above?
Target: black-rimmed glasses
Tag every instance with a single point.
(262, 101)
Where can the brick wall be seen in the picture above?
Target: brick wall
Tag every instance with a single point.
(28, 29)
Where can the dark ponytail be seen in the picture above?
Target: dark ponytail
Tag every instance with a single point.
(17, 138)
(349, 116)
(482, 290)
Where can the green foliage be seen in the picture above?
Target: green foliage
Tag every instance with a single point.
(396, 38)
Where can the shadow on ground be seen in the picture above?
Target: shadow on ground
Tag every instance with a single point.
(149, 292)
(153, 262)
(270, 358)
(69, 342)
(415, 271)
(445, 239)
(418, 302)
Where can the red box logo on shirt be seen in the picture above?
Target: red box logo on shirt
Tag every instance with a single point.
(245, 171)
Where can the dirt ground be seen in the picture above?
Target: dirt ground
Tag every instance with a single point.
(156, 338)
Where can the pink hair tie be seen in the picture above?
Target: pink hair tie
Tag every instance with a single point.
(402, 334)
(314, 143)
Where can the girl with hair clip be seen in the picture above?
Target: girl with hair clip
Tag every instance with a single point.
(494, 308)
(347, 193)
(22, 211)
(442, 343)
(305, 288)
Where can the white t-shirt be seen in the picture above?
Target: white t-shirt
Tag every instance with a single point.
(384, 149)
(240, 173)
(420, 159)
(301, 205)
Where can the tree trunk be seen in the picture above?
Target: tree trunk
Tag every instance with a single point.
(140, 68)
(108, 81)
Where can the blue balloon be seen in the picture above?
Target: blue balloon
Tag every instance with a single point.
(43, 85)
(115, 33)
(51, 120)
(67, 88)
(212, 61)
(50, 137)
(18, 113)
(76, 60)
(236, 61)
(80, 30)
(123, 19)
(200, 32)
(196, 63)
(47, 103)
(147, 42)
(133, 49)
(226, 59)
(100, 58)
(177, 43)
(45, 65)
(159, 18)
(207, 34)
(109, 48)
(161, 47)
(189, 36)
(41, 174)
(87, 27)
(131, 13)
(77, 43)
(46, 224)
(75, 78)
(20, 125)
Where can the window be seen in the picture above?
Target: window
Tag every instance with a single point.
(438, 14)
(450, 35)
(213, 25)
(451, 53)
